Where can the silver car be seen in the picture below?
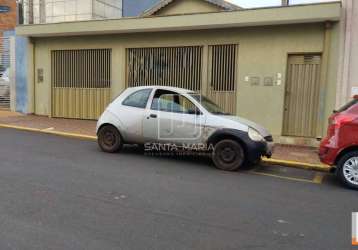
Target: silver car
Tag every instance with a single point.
(158, 118)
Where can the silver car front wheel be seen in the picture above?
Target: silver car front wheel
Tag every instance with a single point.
(228, 155)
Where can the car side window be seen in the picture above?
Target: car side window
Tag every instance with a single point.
(169, 101)
(138, 99)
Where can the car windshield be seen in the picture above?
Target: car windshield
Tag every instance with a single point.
(209, 105)
(347, 106)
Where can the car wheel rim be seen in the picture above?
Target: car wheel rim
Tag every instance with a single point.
(109, 139)
(227, 155)
(350, 170)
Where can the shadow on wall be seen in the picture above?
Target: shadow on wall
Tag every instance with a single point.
(136, 7)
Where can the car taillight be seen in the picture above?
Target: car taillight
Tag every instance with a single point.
(342, 119)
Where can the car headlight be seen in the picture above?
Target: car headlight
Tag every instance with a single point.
(255, 135)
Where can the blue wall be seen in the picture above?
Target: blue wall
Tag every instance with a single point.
(136, 7)
(21, 74)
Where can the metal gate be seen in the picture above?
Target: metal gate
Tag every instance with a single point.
(81, 82)
(4, 72)
(302, 96)
(223, 76)
(183, 67)
(175, 66)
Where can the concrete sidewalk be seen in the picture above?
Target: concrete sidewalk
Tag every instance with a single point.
(295, 156)
(84, 127)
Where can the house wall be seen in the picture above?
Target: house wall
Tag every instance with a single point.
(187, 6)
(263, 51)
(348, 62)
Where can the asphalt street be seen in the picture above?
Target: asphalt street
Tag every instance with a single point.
(61, 193)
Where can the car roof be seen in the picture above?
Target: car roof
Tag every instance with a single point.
(174, 89)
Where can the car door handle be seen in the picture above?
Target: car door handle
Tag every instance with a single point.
(152, 116)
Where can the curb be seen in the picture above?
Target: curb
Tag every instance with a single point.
(299, 165)
(293, 164)
(46, 131)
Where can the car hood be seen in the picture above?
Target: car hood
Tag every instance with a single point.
(263, 131)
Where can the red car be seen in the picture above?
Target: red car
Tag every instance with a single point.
(340, 147)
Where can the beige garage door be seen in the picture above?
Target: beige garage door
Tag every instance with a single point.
(223, 76)
(81, 82)
(175, 66)
(302, 96)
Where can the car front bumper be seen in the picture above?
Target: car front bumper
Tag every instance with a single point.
(255, 150)
(269, 149)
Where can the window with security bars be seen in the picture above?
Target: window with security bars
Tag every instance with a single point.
(222, 70)
(84, 68)
(174, 66)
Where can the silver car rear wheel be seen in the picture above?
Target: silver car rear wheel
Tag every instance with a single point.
(109, 139)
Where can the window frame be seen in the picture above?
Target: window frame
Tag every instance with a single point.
(180, 95)
(135, 92)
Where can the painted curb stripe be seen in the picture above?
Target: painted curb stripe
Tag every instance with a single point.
(46, 131)
(296, 164)
(318, 178)
(283, 177)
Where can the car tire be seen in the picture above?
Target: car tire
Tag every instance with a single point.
(228, 155)
(346, 168)
(109, 139)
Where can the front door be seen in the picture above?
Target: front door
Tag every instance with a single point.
(172, 118)
(302, 96)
